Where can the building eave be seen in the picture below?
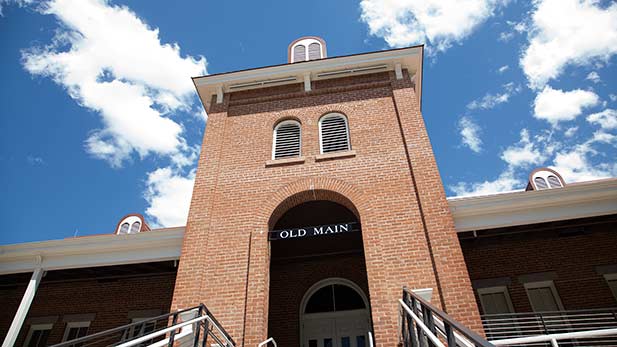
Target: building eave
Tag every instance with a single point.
(92, 251)
(581, 200)
(409, 58)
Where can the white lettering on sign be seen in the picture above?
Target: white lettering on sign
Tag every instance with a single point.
(311, 231)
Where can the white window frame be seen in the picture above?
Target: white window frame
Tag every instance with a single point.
(331, 115)
(274, 132)
(70, 325)
(611, 277)
(495, 290)
(543, 284)
(35, 327)
(306, 43)
(544, 174)
(130, 220)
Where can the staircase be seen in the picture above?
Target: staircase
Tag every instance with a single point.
(424, 325)
(192, 327)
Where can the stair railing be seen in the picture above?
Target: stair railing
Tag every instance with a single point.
(183, 328)
(424, 325)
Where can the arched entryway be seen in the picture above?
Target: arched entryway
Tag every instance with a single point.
(334, 313)
(316, 245)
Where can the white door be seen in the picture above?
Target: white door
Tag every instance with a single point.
(336, 329)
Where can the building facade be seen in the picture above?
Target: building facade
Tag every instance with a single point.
(317, 199)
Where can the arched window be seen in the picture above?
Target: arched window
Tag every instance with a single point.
(287, 140)
(124, 228)
(135, 228)
(131, 224)
(540, 183)
(299, 53)
(333, 133)
(334, 298)
(314, 51)
(545, 178)
(554, 182)
(307, 48)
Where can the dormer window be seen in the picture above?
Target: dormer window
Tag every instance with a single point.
(545, 178)
(131, 224)
(307, 48)
(124, 228)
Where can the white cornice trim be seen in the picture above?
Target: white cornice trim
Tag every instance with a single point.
(92, 251)
(580, 200)
(409, 58)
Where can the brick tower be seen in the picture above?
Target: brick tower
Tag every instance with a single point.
(317, 198)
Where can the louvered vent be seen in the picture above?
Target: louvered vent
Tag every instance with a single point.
(554, 182)
(299, 53)
(334, 134)
(540, 183)
(287, 140)
(314, 51)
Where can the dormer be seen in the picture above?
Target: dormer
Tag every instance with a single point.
(306, 48)
(132, 224)
(545, 178)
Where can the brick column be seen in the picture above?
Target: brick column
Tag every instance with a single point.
(455, 291)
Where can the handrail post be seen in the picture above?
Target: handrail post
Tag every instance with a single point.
(172, 334)
(206, 333)
(543, 324)
(198, 327)
(408, 300)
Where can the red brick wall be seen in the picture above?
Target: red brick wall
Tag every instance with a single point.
(408, 231)
(111, 301)
(549, 248)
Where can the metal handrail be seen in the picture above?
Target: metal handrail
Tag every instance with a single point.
(264, 343)
(123, 328)
(519, 325)
(418, 313)
(553, 338)
(203, 320)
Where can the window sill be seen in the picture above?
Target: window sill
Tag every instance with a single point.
(286, 161)
(335, 155)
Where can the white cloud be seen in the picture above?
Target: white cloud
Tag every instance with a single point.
(470, 133)
(440, 22)
(593, 77)
(607, 119)
(503, 69)
(554, 105)
(575, 164)
(35, 160)
(111, 62)
(169, 196)
(570, 131)
(505, 182)
(567, 32)
(613, 97)
(489, 100)
(524, 153)
(20, 3)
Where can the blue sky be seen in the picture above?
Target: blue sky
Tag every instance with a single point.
(99, 117)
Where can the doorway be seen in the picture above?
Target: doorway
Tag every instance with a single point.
(334, 313)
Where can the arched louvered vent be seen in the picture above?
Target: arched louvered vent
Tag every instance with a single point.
(299, 53)
(124, 228)
(314, 51)
(554, 181)
(286, 140)
(334, 133)
(135, 228)
(540, 183)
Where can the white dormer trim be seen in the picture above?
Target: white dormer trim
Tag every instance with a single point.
(306, 42)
